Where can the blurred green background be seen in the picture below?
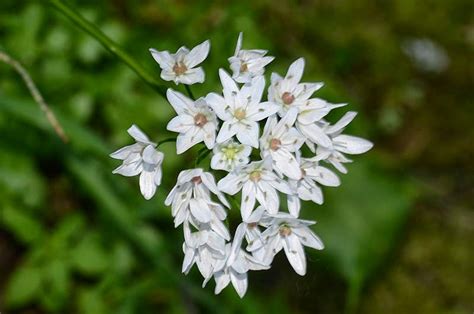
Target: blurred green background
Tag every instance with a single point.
(398, 232)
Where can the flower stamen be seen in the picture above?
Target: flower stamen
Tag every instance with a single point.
(200, 120)
(287, 98)
(179, 68)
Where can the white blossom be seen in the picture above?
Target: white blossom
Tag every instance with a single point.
(235, 271)
(192, 196)
(291, 234)
(204, 248)
(195, 123)
(306, 187)
(257, 182)
(142, 159)
(240, 109)
(181, 66)
(342, 144)
(247, 64)
(280, 140)
(230, 155)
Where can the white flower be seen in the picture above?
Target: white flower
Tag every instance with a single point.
(306, 187)
(196, 122)
(280, 140)
(287, 232)
(288, 93)
(241, 109)
(247, 64)
(236, 271)
(341, 143)
(192, 196)
(181, 66)
(257, 182)
(141, 159)
(250, 230)
(205, 248)
(229, 155)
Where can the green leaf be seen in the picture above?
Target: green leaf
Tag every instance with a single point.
(360, 223)
(23, 287)
(91, 302)
(21, 224)
(56, 284)
(89, 257)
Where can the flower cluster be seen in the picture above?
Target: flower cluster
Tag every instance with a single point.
(255, 168)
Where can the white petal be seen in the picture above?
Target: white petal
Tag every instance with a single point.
(187, 140)
(268, 197)
(295, 253)
(287, 164)
(129, 170)
(219, 105)
(342, 123)
(294, 205)
(188, 260)
(239, 44)
(197, 55)
(151, 155)
(315, 134)
(324, 176)
(147, 184)
(294, 74)
(248, 134)
(124, 152)
(138, 135)
(236, 243)
(309, 238)
(226, 131)
(228, 84)
(208, 180)
(180, 124)
(163, 58)
(200, 210)
(239, 281)
(262, 110)
(222, 280)
(256, 215)
(230, 184)
(248, 200)
(179, 102)
(192, 76)
(352, 144)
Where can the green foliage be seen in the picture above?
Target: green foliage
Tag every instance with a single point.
(86, 242)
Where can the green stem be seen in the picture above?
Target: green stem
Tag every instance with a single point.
(109, 44)
(202, 153)
(166, 140)
(189, 91)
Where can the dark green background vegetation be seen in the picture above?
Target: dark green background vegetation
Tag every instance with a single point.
(398, 232)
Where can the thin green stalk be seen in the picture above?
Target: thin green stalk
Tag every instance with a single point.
(109, 44)
(166, 140)
(203, 152)
(189, 91)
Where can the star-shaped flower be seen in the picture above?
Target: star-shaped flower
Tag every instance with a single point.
(291, 234)
(306, 187)
(247, 64)
(236, 271)
(192, 196)
(142, 159)
(196, 122)
(257, 182)
(181, 66)
(342, 144)
(204, 248)
(240, 109)
(229, 155)
(280, 140)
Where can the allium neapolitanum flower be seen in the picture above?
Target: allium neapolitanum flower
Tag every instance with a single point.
(247, 64)
(181, 66)
(141, 159)
(195, 122)
(230, 155)
(263, 166)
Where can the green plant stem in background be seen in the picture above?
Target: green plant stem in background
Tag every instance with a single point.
(189, 91)
(109, 44)
(166, 140)
(35, 93)
(203, 152)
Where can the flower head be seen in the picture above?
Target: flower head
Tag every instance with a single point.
(181, 66)
(247, 64)
(141, 159)
(195, 123)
